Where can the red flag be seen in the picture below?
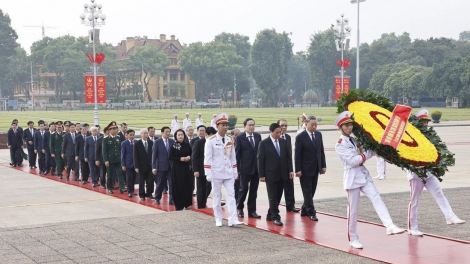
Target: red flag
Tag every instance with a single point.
(99, 58)
(346, 63)
(396, 127)
(339, 62)
(90, 57)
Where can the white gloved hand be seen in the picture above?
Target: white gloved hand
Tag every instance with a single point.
(209, 178)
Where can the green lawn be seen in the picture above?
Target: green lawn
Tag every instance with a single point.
(159, 118)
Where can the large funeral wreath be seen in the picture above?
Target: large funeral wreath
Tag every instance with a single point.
(421, 149)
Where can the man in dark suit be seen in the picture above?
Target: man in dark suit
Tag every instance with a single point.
(127, 161)
(275, 167)
(99, 158)
(151, 131)
(15, 142)
(234, 134)
(68, 152)
(50, 162)
(80, 155)
(143, 164)
(201, 133)
(122, 134)
(309, 162)
(55, 146)
(39, 148)
(89, 154)
(28, 137)
(197, 158)
(246, 149)
(289, 183)
(161, 167)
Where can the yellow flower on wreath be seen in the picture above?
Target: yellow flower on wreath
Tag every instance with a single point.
(414, 147)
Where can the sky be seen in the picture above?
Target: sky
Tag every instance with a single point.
(191, 21)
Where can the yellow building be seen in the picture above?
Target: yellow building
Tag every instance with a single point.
(158, 84)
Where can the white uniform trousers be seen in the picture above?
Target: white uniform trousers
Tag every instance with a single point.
(229, 198)
(380, 167)
(371, 192)
(433, 187)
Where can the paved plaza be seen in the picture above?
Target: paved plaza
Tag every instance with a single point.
(44, 221)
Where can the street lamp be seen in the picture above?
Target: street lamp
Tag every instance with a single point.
(358, 42)
(342, 32)
(95, 19)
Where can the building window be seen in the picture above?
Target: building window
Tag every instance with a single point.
(173, 77)
(182, 76)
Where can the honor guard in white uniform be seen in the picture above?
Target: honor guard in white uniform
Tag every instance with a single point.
(213, 121)
(220, 166)
(175, 124)
(187, 122)
(304, 124)
(432, 185)
(199, 120)
(356, 179)
(380, 168)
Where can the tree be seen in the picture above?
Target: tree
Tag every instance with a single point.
(8, 44)
(271, 53)
(445, 79)
(176, 88)
(298, 75)
(408, 82)
(464, 36)
(73, 66)
(153, 62)
(116, 70)
(18, 73)
(381, 75)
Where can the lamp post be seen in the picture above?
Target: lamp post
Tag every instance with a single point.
(95, 19)
(358, 42)
(342, 31)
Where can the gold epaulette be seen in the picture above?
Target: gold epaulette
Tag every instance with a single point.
(211, 137)
(105, 136)
(52, 133)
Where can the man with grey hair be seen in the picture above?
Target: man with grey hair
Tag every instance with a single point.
(90, 158)
(309, 162)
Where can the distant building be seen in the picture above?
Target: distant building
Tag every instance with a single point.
(158, 85)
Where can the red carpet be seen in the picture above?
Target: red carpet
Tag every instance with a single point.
(331, 231)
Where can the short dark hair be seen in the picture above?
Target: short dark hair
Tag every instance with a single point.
(176, 132)
(273, 127)
(150, 127)
(51, 123)
(246, 121)
(105, 129)
(163, 129)
(280, 120)
(72, 124)
(78, 123)
(42, 123)
(210, 131)
(98, 126)
(130, 131)
(123, 124)
(86, 125)
(201, 126)
(30, 122)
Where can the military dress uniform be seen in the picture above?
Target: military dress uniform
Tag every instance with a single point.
(112, 154)
(55, 145)
(220, 167)
(356, 179)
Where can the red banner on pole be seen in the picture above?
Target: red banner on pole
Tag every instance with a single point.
(397, 126)
(90, 92)
(338, 86)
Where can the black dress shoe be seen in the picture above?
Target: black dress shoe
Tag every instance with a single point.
(67, 178)
(142, 198)
(241, 214)
(313, 218)
(171, 202)
(46, 172)
(130, 195)
(14, 165)
(302, 213)
(149, 196)
(110, 191)
(102, 187)
(221, 204)
(116, 187)
(293, 210)
(156, 201)
(52, 173)
(94, 185)
(269, 217)
(60, 177)
(165, 192)
(35, 167)
(254, 215)
(77, 179)
(122, 190)
(278, 223)
(194, 194)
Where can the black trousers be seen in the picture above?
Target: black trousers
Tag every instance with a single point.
(146, 186)
(236, 188)
(71, 164)
(94, 171)
(248, 186)
(15, 155)
(203, 190)
(31, 155)
(130, 179)
(160, 179)
(309, 186)
(84, 169)
(41, 161)
(289, 194)
(274, 189)
(50, 162)
(102, 169)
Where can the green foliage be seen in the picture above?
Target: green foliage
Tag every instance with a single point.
(298, 75)
(8, 45)
(270, 54)
(436, 112)
(464, 36)
(387, 152)
(150, 61)
(176, 88)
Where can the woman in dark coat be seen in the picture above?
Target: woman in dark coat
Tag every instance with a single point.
(183, 179)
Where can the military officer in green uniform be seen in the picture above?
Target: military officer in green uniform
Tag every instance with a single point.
(65, 130)
(55, 145)
(112, 158)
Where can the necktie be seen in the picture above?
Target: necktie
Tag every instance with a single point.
(166, 145)
(42, 133)
(94, 139)
(32, 132)
(73, 138)
(145, 146)
(223, 140)
(313, 140)
(277, 148)
(251, 141)
(352, 142)
(283, 137)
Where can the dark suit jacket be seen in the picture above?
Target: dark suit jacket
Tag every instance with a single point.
(141, 157)
(271, 165)
(90, 146)
(192, 141)
(15, 140)
(27, 136)
(45, 142)
(68, 147)
(160, 158)
(246, 155)
(308, 159)
(80, 146)
(121, 136)
(127, 154)
(197, 157)
(289, 143)
(99, 150)
(38, 141)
